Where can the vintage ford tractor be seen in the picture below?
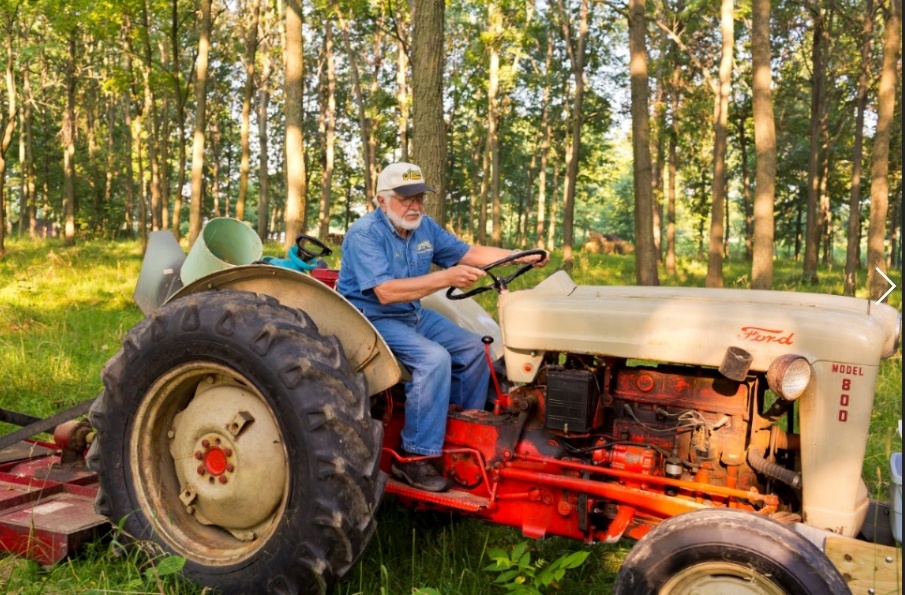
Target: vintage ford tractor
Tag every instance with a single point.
(248, 422)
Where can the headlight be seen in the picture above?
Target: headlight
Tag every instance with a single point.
(788, 376)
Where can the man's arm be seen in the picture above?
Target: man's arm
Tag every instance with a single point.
(462, 275)
(399, 291)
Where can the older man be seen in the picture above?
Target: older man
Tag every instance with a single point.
(386, 262)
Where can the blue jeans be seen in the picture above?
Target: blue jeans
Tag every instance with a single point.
(448, 367)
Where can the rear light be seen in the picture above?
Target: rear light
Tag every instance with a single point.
(788, 376)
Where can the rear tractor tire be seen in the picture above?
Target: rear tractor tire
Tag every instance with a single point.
(719, 551)
(230, 432)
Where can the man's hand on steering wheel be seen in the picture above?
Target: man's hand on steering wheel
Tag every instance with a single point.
(529, 259)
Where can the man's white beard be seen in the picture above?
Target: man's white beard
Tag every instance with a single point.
(401, 222)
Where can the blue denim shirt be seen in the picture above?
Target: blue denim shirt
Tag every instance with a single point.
(374, 253)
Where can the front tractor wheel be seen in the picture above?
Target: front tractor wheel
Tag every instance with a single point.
(718, 551)
(231, 433)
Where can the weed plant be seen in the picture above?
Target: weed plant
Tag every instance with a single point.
(64, 310)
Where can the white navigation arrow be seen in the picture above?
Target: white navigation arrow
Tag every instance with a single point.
(888, 280)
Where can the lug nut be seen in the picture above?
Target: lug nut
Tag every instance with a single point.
(223, 479)
(198, 454)
(228, 452)
(200, 469)
(205, 443)
(230, 468)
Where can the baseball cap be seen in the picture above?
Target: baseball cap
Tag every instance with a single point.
(402, 178)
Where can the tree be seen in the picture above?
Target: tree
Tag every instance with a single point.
(263, 129)
(645, 259)
(328, 129)
(854, 215)
(720, 134)
(68, 138)
(8, 127)
(428, 127)
(494, 35)
(879, 164)
(818, 82)
(294, 60)
(204, 46)
(576, 49)
(251, 48)
(764, 146)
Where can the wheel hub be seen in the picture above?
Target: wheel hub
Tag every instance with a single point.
(719, 578)
(228, 458)
(216, 461)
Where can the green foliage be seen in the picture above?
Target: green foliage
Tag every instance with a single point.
(518, 575)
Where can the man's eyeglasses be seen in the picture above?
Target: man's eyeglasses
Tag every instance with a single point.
(407, 201)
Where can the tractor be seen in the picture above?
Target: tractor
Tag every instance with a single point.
(248, 423)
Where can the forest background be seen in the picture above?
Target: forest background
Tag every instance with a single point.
(706, 129)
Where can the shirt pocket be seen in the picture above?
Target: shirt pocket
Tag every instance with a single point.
(424, 260)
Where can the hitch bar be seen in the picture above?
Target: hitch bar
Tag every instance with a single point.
(36, 425)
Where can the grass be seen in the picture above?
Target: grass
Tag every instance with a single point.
(63, 312)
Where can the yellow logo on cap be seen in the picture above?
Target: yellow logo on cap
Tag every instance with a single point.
(411, 174)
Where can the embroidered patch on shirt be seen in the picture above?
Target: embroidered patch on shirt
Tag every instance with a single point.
(424, 246)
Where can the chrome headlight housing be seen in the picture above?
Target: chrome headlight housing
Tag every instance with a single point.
(789, 375)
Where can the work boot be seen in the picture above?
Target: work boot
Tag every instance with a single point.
(420, 474)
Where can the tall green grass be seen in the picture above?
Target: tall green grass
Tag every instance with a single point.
(63, 312)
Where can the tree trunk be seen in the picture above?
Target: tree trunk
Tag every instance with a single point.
(373, 115)
(8, 128)
(576, 49)
(181, 97)
(854, 201)
(743, 144)
(29, 164)
(720, 124)
(402, 100)
(215, 136)
(263, 160)
(764, 147)
(68, 138)
(879, 164)
(196, 209)
(825, 220)
(428, 127)
(294, 59)
(328, 113)
(551, 229)
(364, 132)
(544, 152)
(494, 33)
(485, 187)
(645, 260)
(22, 114)
(251, 48)
(812, 231)
(894, 260)
(671, 193)
(153, 125)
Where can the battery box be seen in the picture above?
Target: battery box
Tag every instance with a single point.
(572, 397)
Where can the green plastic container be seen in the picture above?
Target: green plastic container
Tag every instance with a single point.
(224, 242)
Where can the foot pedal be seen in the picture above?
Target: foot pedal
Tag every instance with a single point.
(450, 499)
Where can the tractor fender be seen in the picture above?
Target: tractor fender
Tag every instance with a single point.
(365, 349)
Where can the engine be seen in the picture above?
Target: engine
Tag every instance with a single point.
(682, 423)
(594, 438)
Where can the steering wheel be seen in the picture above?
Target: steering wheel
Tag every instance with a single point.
(307, 253)
(499, 283)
